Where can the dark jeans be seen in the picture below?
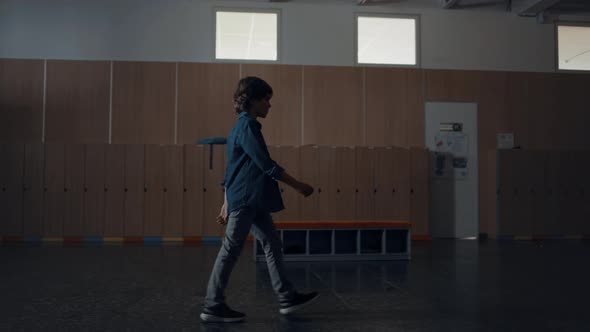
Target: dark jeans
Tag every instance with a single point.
(240, 223)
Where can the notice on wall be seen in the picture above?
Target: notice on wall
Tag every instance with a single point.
(451, 155)
(505, 140)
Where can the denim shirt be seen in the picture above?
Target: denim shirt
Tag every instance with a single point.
(251, 175)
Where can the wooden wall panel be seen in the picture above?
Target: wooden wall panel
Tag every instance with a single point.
(173, 190)
(384, 183)
(115, 191)
(518, 108)
(77, 101)
(94, 193)
(364, 183)
(11, 186)
(74, 186)
(134, 186)
(205, 100)
(288, 158)
(21, 100)
(415, 103)
(283, 124)
(310, 174)
(33, 183)
(154, 194)
(213, 195)
(542, 103)
(333, 110)
(419, 191)
(387, 108)
(194, 164)
(452, 85)
(401, 183)
(55, 207)
(143, 102)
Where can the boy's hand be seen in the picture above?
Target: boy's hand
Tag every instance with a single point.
(223, 216)
(304, 189)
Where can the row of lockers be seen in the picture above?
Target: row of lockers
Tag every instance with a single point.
(542, 193)
(174, 190)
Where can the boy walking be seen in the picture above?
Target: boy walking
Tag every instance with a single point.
(251, 195)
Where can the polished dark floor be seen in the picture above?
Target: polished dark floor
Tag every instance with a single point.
(447, 286)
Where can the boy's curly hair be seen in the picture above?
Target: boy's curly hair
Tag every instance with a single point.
(250, 88)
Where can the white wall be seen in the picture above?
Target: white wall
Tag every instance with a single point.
(313, 32)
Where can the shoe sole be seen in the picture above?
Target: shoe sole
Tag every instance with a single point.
(289, 310)
(216, 319)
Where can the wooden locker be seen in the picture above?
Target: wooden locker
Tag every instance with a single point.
(77, 101)
(21, 97)
(309, 168)
(364, 183)
(419, 191)
(74, 188)
(11, 183)
(94, 194)
(143, 100)
(33, 183)
(134, 189)
(205, 100)
(213, 192)
(384, 183)
(401, 183)
(534, 175)
(577, 190)
(115, 191)
(585, 227)
(289, 160)
(343, 164)
(327, 183)
(522, 224)
(505, 190)
(55, 208)
(173, 189)
(552, 213)
(154, 190)
(491, 194)
(193, 190)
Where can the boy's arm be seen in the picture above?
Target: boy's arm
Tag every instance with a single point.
(303, 188)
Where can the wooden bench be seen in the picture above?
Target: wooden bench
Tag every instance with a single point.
(335, 240)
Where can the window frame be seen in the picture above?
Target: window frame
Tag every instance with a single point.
(556, 45)
(247, 10)
(415, 17)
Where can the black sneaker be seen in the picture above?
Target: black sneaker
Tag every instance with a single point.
(298, 302)
(221, 313)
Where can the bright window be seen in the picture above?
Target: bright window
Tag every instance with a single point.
(246, 35)
(386, 40)
(573, 45)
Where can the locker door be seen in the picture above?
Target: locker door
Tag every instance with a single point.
(134, 184)
(173, 185)
(384, 170)
(505, 192)
(289, 159)
(401, 183)
(74, 187)
(193, 190)
(522, 224)
(343, 165)
(585, 211)
(574, 199)
(364, 184)
(115, 191)
(94, 194)
(213, 192)
(11, 183)
(419, 191)
(154, 190)
(309, 168)
(543, 197)
(34, 170)
(55, 209)
(327, 183)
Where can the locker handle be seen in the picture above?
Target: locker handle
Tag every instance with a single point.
(24, 188)
(282, 190)
(126, 190)
(204, 190)
(65, 190)
(145, 189)
(411, 190)
(184, 189)
(374, 190)
(337, 190)
(356, 190)
(85, 189)
(532, 191)
(3, 189)
(165, 189)
(106, 189)
(45, 189)
(319, 190)
(393, 190)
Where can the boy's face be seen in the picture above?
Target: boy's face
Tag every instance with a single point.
(261, 107)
